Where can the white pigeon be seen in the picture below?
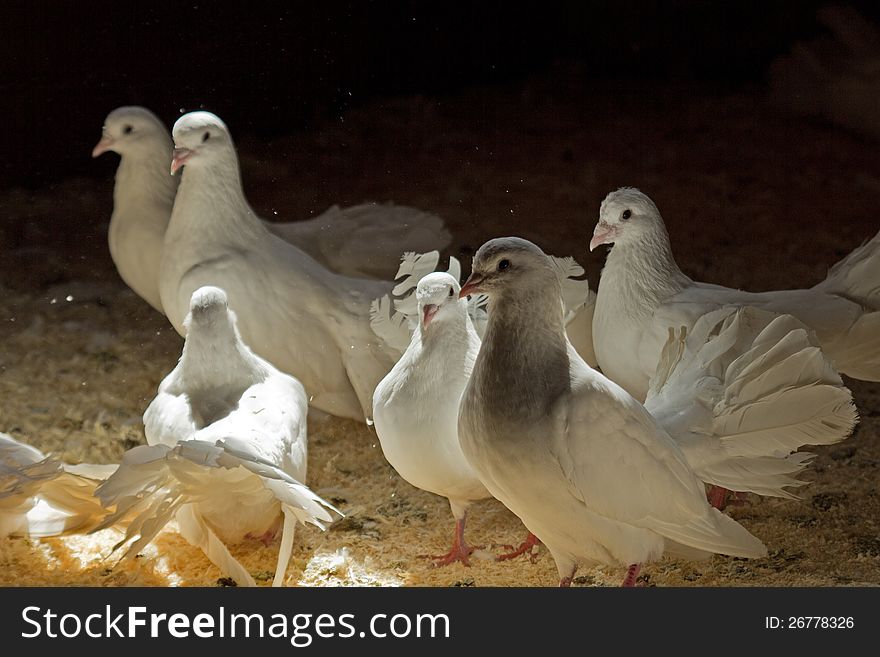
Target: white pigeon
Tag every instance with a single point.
(415, 407)
(585, 467)
(41, 496)
(394, 317)
(740, 392)
(303, 318)
(227, 450)
(642, 293)
(143, 197)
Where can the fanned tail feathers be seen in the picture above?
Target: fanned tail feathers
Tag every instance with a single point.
(157, 483)
(743, 392)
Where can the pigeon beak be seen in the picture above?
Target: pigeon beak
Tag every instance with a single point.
(103, 146)
(471, 285)
(603, 234)
(428, 313)
(179, 157)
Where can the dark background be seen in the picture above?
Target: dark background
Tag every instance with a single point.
(278, 68)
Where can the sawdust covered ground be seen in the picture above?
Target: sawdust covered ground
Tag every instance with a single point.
(752, 198)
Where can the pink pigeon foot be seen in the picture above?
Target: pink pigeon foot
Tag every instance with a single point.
(632, 574)
(525, 548)
(266, 537)
(720, 497)
(460, 550)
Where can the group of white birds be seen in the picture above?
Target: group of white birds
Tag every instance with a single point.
(487, 388)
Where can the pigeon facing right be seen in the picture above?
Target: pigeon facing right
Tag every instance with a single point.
(227, 449)
(583, 464)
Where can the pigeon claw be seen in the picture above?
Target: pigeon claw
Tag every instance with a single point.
(526, 547)
(460, 550)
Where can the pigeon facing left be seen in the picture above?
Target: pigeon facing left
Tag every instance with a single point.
(226, 453)
(298, 315)
(142, 196)
(415, 407)
(642, 292)
(585, 467)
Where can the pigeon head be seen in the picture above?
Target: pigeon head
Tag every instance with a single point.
(199, 138)
(209, 309)
(624, 217)
(437, 295)
(507, 263)
(131, 131)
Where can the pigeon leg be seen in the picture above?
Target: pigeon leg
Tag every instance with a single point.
(524, 548)
(565, 580)
(718, 497)
(268, 536)
(460, 550)
(632, 574)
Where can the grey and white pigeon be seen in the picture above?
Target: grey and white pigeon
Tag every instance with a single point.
(582, 463)
(227, 450)
(357, 241)
(642, 293)
(415, 407)
(41, 496)
(304, 319)
(142, 196)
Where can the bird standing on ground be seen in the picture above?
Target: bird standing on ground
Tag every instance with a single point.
(415, 407)
(227, 449)
(643, 294)
(304, 319)
(583, 464)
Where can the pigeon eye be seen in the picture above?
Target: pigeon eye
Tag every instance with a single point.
(503, 264)
(626, 215)
(206, 137)
(128, 130)
(450, 292)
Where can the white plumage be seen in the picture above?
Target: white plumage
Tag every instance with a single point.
(358, 241)
(227, 449)
(642, 293)
(415, 407)
(41, 496)
(142, 196)
(304, 319)
(741, 391)
(394, 317)
(582, 463)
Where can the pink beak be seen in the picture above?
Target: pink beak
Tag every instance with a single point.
(603, 234)
(178, 158)
(102, 146)
(429, 311)
(471, 285)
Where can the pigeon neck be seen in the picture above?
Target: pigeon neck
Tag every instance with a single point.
(145, 178)
(644, 270)
(215, 357)
(212, 197)
(525, 343)
(445, 329)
